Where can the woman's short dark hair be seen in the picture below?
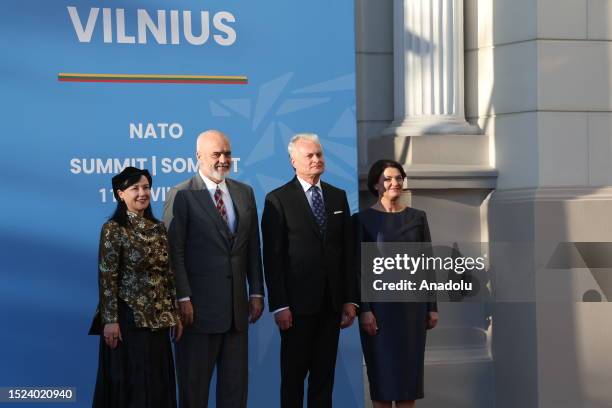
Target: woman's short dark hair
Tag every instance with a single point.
(120, 215)
(378, 168)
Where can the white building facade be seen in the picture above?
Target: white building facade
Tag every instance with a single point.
(501, 113)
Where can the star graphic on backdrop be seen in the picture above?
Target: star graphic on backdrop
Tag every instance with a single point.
(268, 113)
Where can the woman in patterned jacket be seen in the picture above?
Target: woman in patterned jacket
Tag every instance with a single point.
(137, 313)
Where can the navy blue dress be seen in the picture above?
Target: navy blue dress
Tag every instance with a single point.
(395, 355)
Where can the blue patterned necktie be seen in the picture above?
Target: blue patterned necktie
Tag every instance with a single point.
(318, 208)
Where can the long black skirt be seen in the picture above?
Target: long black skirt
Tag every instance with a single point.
(139, 372)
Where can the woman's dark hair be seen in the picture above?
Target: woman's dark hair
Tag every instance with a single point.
(377, 169)
(120, 215)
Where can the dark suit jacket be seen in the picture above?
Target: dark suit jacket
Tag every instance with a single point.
(299, 262)
(210, 264)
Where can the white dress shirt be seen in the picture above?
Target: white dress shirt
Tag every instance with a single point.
(211, 186)
(306, 186)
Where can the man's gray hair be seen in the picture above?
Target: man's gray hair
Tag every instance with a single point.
(302, 136)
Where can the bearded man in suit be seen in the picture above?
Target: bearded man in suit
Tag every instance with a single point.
(213, 236)
(309, 270)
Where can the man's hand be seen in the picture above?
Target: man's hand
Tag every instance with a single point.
(348, 315)
(283, 319)
(112, 334)
(432, 320)
(367, 321)
(186, 309)
(176, 332)
(255, 308)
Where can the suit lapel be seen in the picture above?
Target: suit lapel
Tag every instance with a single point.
(327, 200)
(206, 202)
(305, 205)
(239, 200)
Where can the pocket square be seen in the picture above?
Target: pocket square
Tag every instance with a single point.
(338, 212)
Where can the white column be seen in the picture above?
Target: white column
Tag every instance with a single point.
(428, 68)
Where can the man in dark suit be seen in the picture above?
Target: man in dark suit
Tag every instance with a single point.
(214, 251)
(309, 269)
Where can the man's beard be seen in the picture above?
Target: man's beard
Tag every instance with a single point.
(220, 172)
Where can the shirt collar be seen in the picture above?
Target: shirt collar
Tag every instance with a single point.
(211, 185)
(306, 185)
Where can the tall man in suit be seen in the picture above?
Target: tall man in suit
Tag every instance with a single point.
(214, 250)
(309, 269)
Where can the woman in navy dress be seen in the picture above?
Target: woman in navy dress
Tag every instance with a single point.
(393, 334)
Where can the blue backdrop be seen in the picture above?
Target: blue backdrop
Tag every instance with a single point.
(62, 141)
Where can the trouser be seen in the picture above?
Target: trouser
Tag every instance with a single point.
(309, 347)
(196, 357)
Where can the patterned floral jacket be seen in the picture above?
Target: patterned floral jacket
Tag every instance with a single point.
(134, 267)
